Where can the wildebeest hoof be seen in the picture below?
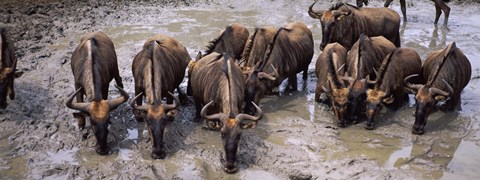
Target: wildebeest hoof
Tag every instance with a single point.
(418, 131)
(102, 150)
(341, 124)
(158, 155)
(230, 170)
(369, 126)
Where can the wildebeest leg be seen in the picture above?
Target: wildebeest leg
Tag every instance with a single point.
(305, 73)
(397, 40)
(292, 82)
(198, 108)
(453, 103)
(182, 96)
(403, 6)
(318, 92)
(438, 11)
(11, 92)
(445, 9)
(79, 115)
(387, 3)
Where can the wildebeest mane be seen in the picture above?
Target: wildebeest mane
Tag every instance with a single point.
(96, 68)
(383, 69)
(438, 67)
(340, 4)
(270, 49)
(248, 47)
(213, 43)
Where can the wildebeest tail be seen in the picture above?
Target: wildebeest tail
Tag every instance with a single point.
(227, 69)
(384, 68)
(96, 70)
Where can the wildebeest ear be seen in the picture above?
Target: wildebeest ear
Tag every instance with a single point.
(18, 74)
(172, 113)
(389, 100)
(440, 98)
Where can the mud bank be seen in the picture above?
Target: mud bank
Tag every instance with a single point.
(297, 139)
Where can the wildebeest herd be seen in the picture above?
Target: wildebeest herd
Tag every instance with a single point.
(360, 70)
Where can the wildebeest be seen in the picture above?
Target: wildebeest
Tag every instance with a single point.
(362, 61)
(256, 46)
(8, 66)
(388, 87)
(220, 85)
(439, 7)
(329, 67)
(289, 53)
(158, 69)
(231, 40)
(446, 72)
(343, 23)
(94, 65)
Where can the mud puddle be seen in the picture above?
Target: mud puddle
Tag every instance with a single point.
(297, 138)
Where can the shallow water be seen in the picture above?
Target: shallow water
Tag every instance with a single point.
(296, 133)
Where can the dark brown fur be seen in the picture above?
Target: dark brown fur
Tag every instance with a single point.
(94, 65)
(366, 55)
(157, 69)
(256, 46)
(344, 26)
(449, 65)
(290, 53)
(231, 40)
(389, 88)
(8, 68)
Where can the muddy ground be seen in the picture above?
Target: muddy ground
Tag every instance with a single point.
(296, 139)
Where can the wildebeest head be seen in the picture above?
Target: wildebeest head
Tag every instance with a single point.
(329, 19)
(231, 130)
(98, 112)
(157, 116)
(361, 2)
(338, 93)
(256, 87)
(425, 100)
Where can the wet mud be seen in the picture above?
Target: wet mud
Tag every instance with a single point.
(297, 138)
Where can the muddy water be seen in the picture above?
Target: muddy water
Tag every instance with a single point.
(297, 138)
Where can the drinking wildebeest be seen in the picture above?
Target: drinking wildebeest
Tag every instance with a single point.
(220, 85)
(446, 72)
(389, 89)
(158, 69)
(343, 23)
(329, 67)
(94, 65)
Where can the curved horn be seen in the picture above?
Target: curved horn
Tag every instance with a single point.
(313, 14)
(340, 68)
(347, 78)
(203, 113)
(349, 11)
(172, 106)
(114, 103)
(134, 106)
(436, 91)
(450, 89)
(77, 106)
(410, 85)
(257, 117)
